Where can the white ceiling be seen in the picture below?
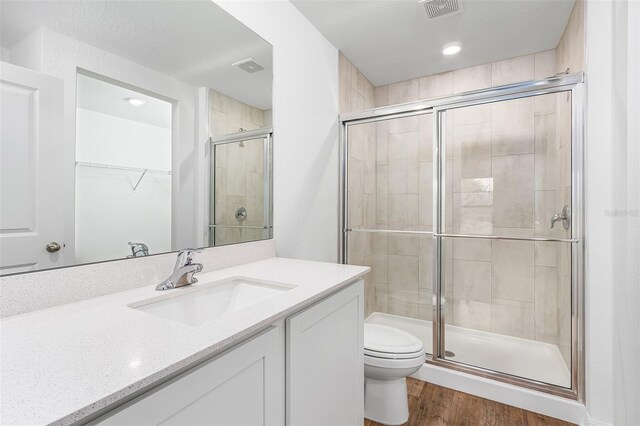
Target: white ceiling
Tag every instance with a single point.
(107, 98)
(192, 40)
(393, 40)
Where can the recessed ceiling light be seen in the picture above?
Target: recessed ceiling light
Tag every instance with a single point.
(451, 48)
(135, 101)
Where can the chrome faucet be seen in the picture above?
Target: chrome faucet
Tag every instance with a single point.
(183, 271)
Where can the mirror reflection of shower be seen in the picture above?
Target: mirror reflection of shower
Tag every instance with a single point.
(240, 172)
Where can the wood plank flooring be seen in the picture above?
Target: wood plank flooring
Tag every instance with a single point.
(434, 405)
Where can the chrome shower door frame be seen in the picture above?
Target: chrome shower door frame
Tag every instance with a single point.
(572, 83)
(267, 158)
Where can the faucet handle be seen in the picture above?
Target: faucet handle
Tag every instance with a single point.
(185, 256)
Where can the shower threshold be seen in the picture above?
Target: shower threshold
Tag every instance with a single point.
(512, 355)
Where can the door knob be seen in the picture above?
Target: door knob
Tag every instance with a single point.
(53, 247)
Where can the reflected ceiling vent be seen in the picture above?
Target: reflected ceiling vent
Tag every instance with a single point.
(249, 65)
(437, 9)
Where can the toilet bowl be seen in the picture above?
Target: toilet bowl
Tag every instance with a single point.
(390, 355)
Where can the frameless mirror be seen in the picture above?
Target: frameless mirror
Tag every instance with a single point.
(130, 129)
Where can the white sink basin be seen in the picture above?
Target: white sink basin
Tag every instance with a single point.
(209, 301)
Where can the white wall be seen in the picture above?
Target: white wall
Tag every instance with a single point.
(612, 205)
(109, 213)
(60, 56)
(305, 114)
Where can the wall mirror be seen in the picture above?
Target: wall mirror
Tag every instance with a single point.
(130, 129)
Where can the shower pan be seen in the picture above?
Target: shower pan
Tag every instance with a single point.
(468, 209)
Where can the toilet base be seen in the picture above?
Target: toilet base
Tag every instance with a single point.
(385, 401)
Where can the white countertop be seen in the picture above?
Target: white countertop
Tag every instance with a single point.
(61, 364)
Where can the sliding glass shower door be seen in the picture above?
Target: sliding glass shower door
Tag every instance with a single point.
(506, 242)
(468, 211)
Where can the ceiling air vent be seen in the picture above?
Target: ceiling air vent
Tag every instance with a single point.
(437, 9)
(249, 65)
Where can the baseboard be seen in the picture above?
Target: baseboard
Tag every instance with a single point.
(548, 405)
(588, 421)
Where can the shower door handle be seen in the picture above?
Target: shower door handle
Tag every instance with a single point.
(564, 217)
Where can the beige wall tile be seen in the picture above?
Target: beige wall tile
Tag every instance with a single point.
(382, 138)
(356, 101)
(546, 304)
(381, 94)
(472, 78)
(546, 254)
(356, 170)
(545, 104)
(545, 152)
(471, 314)
(403, 211)
(255, 196)
(369, 210)
(403, 163)
(513, 127)
(545, 64)
(435, 86)
(425, 262)
(402, 125)
(382, 210)
(403, 292)
(472, 249)
(219, 102)
(472, 280)
(425, 134)
(471, 115)
(403, 244)
(403, 91)
(236, 182)
(356, 209)
(513, 200)
(513, 70)
(512, 270)
(473, 142)
(512, 318)
(344, 83)
(220, 210)
(218, 123)
(425, 199)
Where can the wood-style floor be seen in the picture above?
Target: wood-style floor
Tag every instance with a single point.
(434, 405)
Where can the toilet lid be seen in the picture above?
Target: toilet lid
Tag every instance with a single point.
(383, 339)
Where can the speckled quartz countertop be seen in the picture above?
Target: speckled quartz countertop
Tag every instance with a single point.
(62, 364)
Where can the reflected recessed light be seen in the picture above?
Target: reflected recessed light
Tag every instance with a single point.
(451, 48)
(135, 101)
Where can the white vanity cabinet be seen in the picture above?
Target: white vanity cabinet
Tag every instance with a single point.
(325, 361)
(306, 370)
(242, 386)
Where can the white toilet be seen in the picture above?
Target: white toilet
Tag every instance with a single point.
(390, 355)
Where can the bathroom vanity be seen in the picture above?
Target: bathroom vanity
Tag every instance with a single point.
(283, 343)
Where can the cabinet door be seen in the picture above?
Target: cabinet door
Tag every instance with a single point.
(325, 361)
(242, 386)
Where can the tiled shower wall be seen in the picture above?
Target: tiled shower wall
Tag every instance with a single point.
(239, 169)
(515, 288)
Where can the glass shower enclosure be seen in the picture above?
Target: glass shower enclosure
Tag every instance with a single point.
(240, 201)
(468, 210)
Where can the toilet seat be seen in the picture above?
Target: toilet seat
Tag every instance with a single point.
(381, 341)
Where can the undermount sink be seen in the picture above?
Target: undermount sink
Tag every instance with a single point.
(209, 301)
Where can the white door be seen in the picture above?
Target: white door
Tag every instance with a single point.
(31, 156)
